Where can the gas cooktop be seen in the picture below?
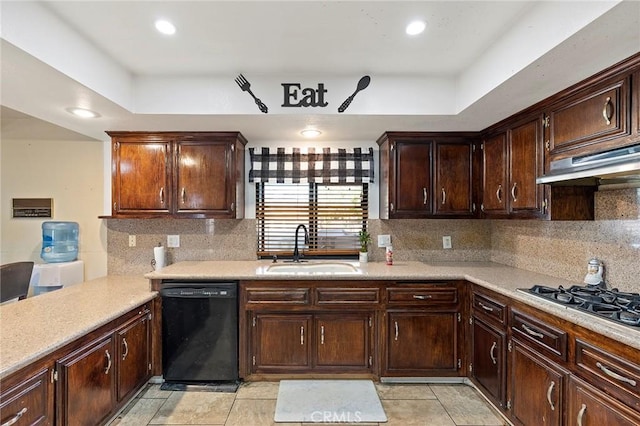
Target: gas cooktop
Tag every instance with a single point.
(623, 308)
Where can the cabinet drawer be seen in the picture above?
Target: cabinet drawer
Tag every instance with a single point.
(289, 296)
(486, 307)
(341, 296)
(28, 402)
(540, 336)
(614, 375)
(423, 296)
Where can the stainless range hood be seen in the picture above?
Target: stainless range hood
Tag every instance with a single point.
(620, 167)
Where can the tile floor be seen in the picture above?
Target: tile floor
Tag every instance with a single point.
(254, 405)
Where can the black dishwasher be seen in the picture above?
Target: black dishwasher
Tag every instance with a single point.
(199, 331)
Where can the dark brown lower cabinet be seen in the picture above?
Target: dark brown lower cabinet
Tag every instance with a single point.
(29, 402)
(588, 406)
(134, 363)
(343, 341)
(421, 343)
(86, 392)
(489, 360)
(281, 343)
(537, 388)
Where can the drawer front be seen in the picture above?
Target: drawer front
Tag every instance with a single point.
(28, 402)
(422, 296)
(614, 375)
(288, 296)
(341, 296)
(486, 307)
(540, 336)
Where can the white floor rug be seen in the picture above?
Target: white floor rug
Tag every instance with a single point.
(328, 401)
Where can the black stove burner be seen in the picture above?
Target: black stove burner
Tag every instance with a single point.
(615, 305)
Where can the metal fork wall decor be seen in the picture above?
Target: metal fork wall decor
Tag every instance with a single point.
(310, 96)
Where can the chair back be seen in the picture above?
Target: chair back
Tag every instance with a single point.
(14, 280)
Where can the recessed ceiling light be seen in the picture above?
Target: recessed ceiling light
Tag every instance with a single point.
(165, 27)
(310, 133)
(416, 27)
(82, 112)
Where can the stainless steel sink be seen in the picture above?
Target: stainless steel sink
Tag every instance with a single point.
(313, 268)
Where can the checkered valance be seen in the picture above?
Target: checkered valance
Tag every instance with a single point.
(309, 165)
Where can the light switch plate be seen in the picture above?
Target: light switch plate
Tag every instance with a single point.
(384, 240)
(446, 242)
(173, 240)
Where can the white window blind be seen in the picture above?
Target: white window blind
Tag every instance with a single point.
(334, 214)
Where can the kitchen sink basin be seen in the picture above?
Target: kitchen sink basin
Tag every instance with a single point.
(313, 268)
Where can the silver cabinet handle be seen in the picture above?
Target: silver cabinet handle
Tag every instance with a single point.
(485, 307)
(322, 334)
(551, 386)
(126, 348)
(162, 195)
(396, 323)
(615, 375)
(15, 418)
(444, 195)
(606, 111)
(302, 335)
(513, 191)
(183, 195)
(492, 355)
(391, 206)
(532, 332)
(424, 196)
(106, 371)
(422, 297)
(232, 207)
(499, 193)
(581, 414)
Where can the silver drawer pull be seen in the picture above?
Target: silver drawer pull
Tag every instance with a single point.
(126, 348)
(485, 307)
(421, 297)
(499, 193)
(615, 375)
(15, 418)
(322, 334)
(396, 327)
(106, 371)
(551, 386)
(302, 335)
(444, 196)
(492, 355)
(607, 111)
(532, 332)
(581, 414)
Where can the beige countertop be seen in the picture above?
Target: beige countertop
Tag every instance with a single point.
(37, 326)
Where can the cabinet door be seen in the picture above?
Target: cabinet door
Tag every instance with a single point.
(141, 179)
(411, 192)
(86, 391)
(281, 343)
(133, 353)
(343, 341)
(495, 185)
(537, 388)
(204, 178)
(421, 343)
(590, 121)
(587, 406)
(525, 196)
(453, 186)
(489, 361)
(30, 402)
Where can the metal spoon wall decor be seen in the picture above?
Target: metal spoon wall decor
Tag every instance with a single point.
(362, 84)
(246, 87)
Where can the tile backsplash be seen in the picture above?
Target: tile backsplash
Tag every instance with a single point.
(561, 249)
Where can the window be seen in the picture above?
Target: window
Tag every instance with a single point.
(334, 214)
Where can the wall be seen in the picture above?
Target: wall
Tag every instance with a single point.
(70, 172)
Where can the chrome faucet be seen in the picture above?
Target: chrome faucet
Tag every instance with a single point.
(296, 253)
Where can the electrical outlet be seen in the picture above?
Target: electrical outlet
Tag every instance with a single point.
(384, 240)
(446, 242)
(132, 240)
(173, 240)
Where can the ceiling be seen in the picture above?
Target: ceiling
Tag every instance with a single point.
(477, 63)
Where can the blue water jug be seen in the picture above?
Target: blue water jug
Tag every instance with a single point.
(59, 242)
